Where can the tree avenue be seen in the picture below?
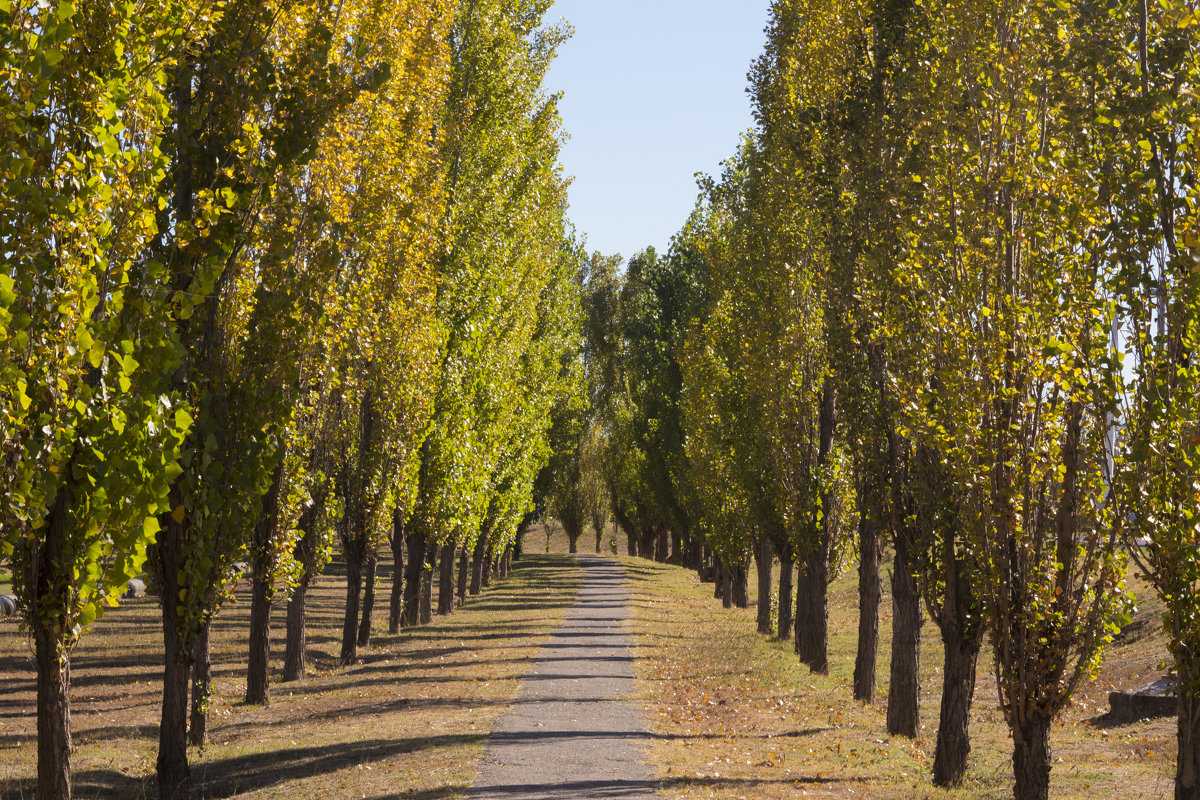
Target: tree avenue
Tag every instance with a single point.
(292, 280)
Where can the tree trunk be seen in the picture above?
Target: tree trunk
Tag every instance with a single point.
(742, 585)
(293, 655)
(507, 561)
(53, 715)
(787, 572)
(958, 689)
(464, 568)
(599, 536)
(631, 544)
(1031, 759)
(354, 574)
(676, 549)
(727, 580)
(661, 546)
(870, 591)
(201, 687)
(1187, 766)
(396, 599)
(446, 579)
(477, 566)
(763, 557)
(426, 603)
(258, 665)
(573, 541)
(904, 692)
(488, 562)
(812, 611)
(368, 604)
(412, 578)
(174, 777)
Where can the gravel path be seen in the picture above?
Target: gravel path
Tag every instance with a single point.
(572, 731)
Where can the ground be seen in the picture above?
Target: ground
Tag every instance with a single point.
(731, 713)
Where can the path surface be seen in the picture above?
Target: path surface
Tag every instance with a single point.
(572, 731)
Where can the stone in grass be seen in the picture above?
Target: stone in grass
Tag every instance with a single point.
(8, 605)
(1152, 700)
(136, 588)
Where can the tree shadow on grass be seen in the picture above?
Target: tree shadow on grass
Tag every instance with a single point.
(228, 777)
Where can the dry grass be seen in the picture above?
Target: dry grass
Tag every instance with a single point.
(735, 715)
(408, 720)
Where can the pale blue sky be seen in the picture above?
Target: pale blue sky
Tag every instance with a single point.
(655, 91)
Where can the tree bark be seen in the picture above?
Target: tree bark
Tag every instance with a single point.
(676, 549)
(631, 544)
(573, 540)
(1187, 766)
(201, 687)
(426, 604)
(507, 561)
(294, 661)
(1031, 758)
(870, 591)
(741, 585)
(174, 776)
(662, 546)
(787, 589)
(599, 536)
(958, 690)
(446, 579)
(763, 556)
(904, 692)
(396, 598)
(368, 603)
(53, 714)
(489, 561)
(412, 578)
(477, 566)
(464, 569)
(258, 664)
(812, 611)
(354, 570)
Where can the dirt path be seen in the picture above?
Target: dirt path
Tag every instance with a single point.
(573, 731)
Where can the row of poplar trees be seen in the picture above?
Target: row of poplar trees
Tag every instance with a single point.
(942, 303)
(276, 273)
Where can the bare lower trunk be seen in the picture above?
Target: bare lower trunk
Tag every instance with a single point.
(354, 569)
(763, 556)
(294, 660)
(426, 601)
(259, 661)
(1031, 759)
(174, 776)
(573, 541)
(396, 598)
(958, 689)
(201, 687)
(412, 578)
(904, 691)
(676, 549)
(446, 579)
(662, 546)
(488, 563)
(464, 568)
(812, 611)
(477, 567)
(507, 562)
(631, 544)
(599, 536)
(53, 715)
(787, 589)
(741, 585)
(869, 593)
(368, 604)
(1187, 767)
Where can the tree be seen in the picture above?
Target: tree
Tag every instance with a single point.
(90, 441)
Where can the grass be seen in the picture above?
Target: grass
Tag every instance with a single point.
(735, 715)
(409, 719)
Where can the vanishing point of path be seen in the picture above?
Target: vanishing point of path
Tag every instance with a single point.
(573, 731)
